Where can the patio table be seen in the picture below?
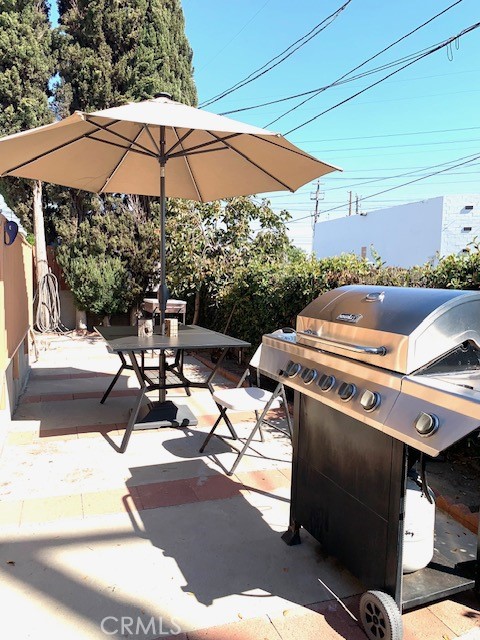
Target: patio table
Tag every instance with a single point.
(124, 341)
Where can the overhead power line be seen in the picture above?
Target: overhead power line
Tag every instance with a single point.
(281, 57)
(409, 145)
(362, 64)
(337, 83)
(233, 38)
(432, 50)
(342, 80)
(460, 163)
(389, 135)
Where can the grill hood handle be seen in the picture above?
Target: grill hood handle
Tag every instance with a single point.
(357, 348)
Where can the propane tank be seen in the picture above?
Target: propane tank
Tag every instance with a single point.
(419, 531)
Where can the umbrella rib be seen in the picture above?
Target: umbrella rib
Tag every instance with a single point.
(179, 142)
(119, 135)
(157, 148)
(210, 143)
(46, 153)
(120, 146)
(255, 164)
(195, 153)
(298, 152)
(127, 149)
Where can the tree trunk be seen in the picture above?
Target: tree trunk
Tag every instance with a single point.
(80, 319)
(39, 232)
(196, 312)
(133, 316)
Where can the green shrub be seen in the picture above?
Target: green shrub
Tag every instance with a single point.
(265, 296)
(98, 285)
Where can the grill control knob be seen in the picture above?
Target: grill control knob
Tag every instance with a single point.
(326, 382)
(309, 376)
(426, 424)
(284, 372)
(346, 391)
(293, 369)
(370, 400)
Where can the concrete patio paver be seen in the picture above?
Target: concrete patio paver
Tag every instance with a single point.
(158, 535)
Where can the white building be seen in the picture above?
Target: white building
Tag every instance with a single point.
(405, 235)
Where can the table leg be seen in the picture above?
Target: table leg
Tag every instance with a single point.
(114, 381)
(215, 369)
(137, 404)
(162, 376)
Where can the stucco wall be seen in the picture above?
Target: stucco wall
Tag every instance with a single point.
(461, 225)
(403, 236)
(16, 308)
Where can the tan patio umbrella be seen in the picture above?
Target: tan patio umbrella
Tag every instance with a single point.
(130, 149)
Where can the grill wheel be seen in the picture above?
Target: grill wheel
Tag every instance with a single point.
(380, 616)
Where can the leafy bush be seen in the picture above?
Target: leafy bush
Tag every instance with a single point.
(98, 285)
(265, 296)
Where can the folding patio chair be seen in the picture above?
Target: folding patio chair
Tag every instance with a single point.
(251, 398)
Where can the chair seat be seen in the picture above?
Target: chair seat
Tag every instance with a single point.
(245, 399)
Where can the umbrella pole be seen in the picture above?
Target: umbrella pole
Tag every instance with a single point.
(163, 206)
(163, 294)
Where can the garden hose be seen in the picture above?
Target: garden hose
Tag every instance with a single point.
(47, 305)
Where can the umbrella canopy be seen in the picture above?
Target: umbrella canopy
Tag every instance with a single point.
(118, 151)
(130, 149)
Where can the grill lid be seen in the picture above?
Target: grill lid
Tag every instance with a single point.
(397, 328)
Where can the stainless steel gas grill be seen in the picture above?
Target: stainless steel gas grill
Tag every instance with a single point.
(382, 375)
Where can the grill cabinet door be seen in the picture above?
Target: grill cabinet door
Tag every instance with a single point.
(348, 492)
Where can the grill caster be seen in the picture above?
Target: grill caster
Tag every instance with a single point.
(380, 616)
(291, 537)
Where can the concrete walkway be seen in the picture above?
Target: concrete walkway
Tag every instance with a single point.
(159, 541)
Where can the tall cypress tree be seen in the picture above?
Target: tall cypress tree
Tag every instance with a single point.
(112, 52)
(26, 66)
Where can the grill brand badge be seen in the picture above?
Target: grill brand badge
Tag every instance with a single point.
(352, 318)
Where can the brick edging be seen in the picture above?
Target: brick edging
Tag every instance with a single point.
(229, 375)
(459, 512)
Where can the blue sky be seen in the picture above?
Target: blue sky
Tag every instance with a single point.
(423, 116)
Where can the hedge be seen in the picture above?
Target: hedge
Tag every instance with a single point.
(265, 296)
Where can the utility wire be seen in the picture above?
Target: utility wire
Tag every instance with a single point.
(337, 83)
(434, 49)
(383, 178)
(424, 24)
(233, 38)
(281, 57)
(404, 184)
(399, 146)
(389, 135)
(314, 92)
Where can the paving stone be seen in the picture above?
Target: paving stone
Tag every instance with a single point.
(256, 629)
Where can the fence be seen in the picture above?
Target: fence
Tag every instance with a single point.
(16, 310)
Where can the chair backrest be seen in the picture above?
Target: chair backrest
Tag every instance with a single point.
(254, 364)
(255, 359)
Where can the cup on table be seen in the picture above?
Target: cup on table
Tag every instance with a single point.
(171, 327)
(145, 327)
